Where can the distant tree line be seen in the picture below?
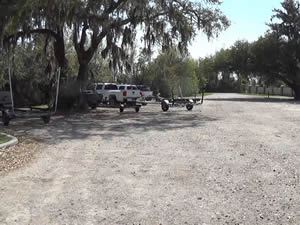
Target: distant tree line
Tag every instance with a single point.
(273, 59)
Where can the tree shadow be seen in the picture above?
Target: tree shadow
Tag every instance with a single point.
(107, 124)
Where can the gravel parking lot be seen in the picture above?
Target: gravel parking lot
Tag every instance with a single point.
(234, 160)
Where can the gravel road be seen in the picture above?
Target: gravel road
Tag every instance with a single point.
(234, 160)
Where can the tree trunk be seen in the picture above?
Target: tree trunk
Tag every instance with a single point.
(59, 51)
(297, 92)
(82, 79)
(84, 57)
(82, 73)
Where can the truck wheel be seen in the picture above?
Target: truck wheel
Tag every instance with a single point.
(5, 118)
(46, 119)
(189, 107)
(100, 97)
(164, 106)
(112, 100)
(122, 108)
(93, 106)
(137, 109)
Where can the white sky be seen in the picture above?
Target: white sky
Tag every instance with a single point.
(248, 22)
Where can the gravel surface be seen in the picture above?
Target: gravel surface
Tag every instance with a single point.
(19, 155)
(234, 160)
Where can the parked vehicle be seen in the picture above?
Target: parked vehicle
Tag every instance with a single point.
(129, 92)
(107, 93)
(146, 92)
(111, 94)
(5, 100)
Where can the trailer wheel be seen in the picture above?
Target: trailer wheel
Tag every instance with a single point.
(93, 106)
(189, 107)
(137, 109)
(5, 118)
(164, 106)
(122, 108)
(46, 119)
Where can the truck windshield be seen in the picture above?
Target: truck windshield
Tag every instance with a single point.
(111, 87)
(146, 89)
(99, 87)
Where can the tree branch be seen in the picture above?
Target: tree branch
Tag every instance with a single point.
(17, 35)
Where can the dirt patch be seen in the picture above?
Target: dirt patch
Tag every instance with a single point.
(19, 155)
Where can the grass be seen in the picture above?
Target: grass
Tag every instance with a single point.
(4, 139)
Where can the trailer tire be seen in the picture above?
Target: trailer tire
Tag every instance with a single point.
(5, 118)
(189, 107)
(164, 106)
(46, 119)
(137, 109)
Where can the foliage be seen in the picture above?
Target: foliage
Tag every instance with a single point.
(277, 55)
(207, 73)
(170, 74)
(113, 24)
(32, 78)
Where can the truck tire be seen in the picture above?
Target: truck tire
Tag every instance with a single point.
(122, 108)
(112, 100)
(100, 97)
(137, 109)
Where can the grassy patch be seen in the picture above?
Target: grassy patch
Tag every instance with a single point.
(4, 139)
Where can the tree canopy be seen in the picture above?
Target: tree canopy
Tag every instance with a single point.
(114, 24)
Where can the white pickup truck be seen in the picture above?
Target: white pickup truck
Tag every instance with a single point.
(129, 92)
(111, 94)
(107, 93)
(146, 93)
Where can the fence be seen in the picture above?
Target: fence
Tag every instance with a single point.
(282, 91)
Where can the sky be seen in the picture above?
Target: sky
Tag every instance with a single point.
(248, 22)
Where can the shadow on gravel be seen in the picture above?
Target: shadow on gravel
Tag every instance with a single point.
(253, 99)
(106, 124)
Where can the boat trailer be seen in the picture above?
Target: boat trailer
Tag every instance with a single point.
(189, 103)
